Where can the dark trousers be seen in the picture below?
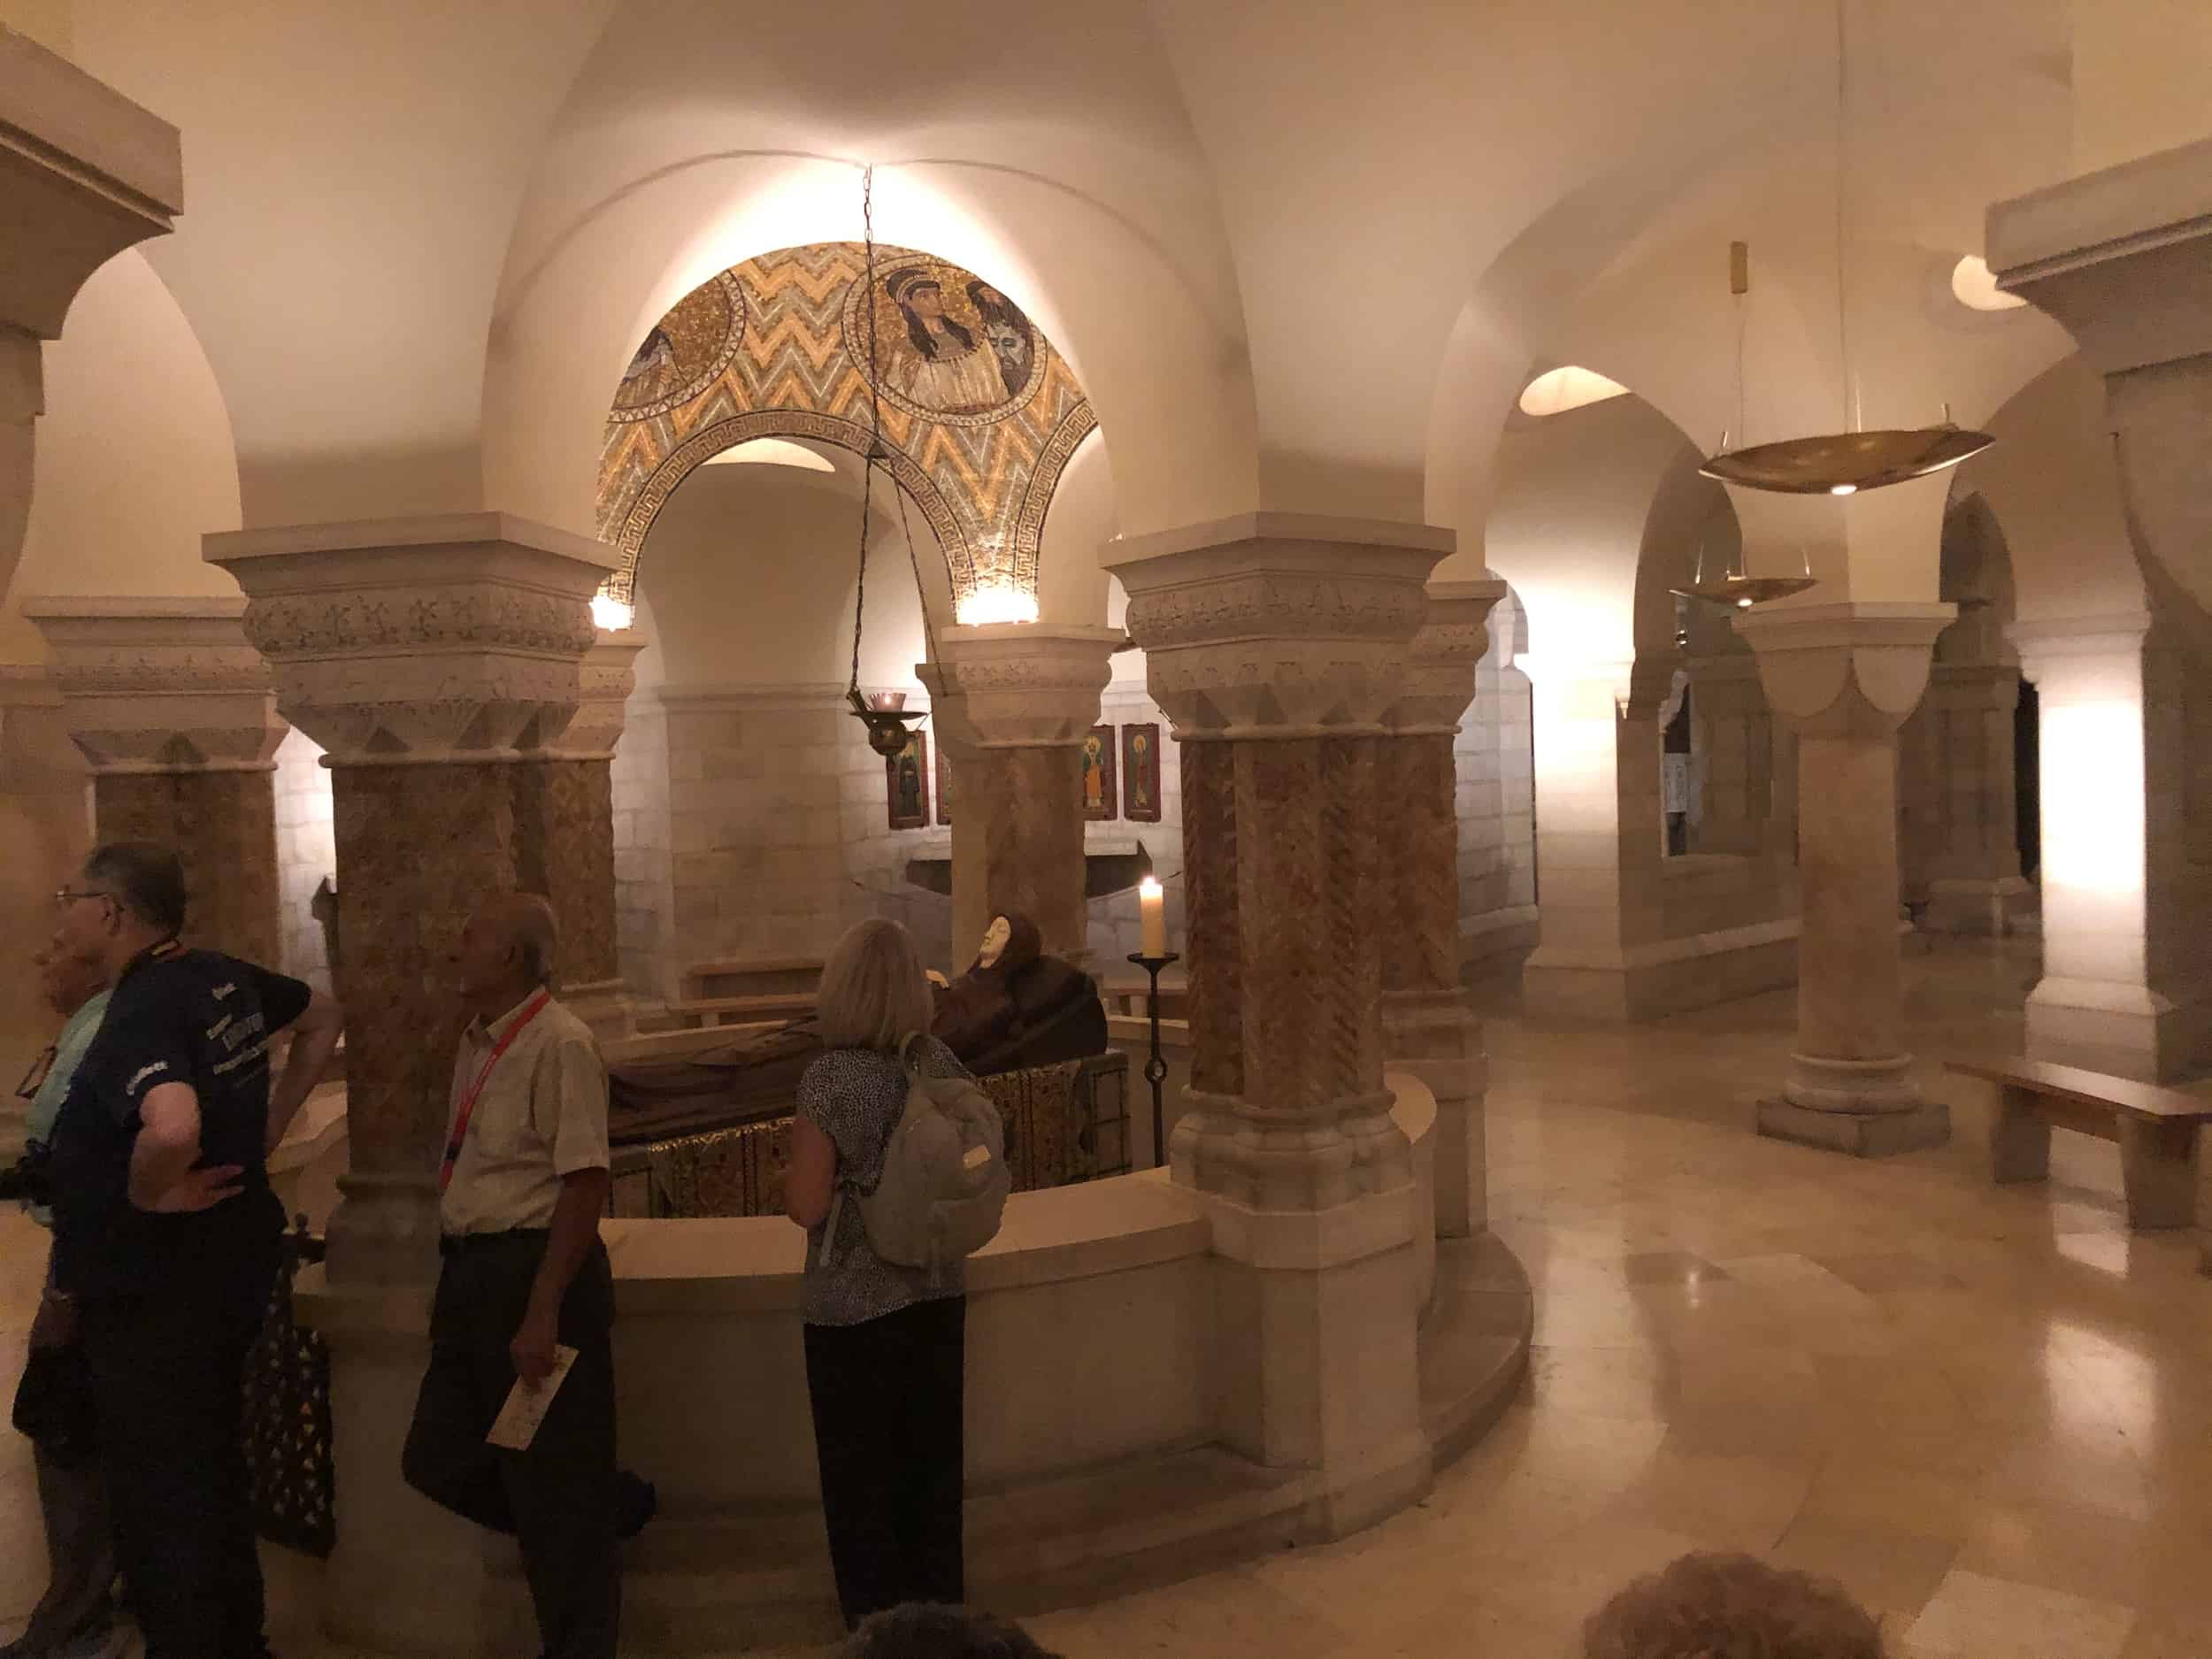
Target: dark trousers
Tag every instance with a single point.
(558, 1497)
(168, 1380)
(887, 1439)
(79, 1543)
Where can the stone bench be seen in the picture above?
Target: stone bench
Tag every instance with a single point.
(2156, 1129)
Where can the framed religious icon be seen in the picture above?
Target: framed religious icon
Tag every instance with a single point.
(906, 778)
(944, 789)
(1140, 773)
(1098, 774)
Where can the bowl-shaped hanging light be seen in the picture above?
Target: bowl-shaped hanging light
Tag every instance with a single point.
(885, 715)
(1844, 463)
(1743, 592)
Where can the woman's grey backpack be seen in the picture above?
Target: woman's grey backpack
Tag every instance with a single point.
(943, 1189)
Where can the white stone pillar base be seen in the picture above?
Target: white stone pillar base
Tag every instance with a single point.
(1864, 1134)
(1319, 1320)
(605, 1005)
(1870, 1108)
(405, 1576)
(1985, 907)
(2125, 1030)
(385, 1229)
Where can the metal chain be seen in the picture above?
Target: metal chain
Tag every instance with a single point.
(875, 409)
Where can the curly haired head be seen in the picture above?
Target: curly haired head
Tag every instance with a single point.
(928, 1631)
(1730, 1606)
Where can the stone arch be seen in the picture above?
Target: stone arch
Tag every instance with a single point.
(762, 349)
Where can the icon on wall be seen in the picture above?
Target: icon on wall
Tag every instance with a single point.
(906, 778)
(944, 789)
(1140, 773)
(1098, 774)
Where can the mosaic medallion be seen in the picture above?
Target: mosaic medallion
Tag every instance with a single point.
(949, 346)
(683, 353)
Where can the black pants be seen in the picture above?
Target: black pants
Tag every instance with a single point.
(558, 1497)
(886, 1397)
(168, 1380)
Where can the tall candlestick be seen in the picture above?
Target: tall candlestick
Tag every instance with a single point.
(1152, 915)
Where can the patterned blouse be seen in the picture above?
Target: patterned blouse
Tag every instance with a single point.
(854, 1097)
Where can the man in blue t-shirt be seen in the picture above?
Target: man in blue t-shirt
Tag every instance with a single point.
(166, 1234)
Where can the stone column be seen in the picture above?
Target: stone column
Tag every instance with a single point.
(2122, 259)
(433, 659)
(1844, 676)
(1427, 1027)
(1011, 703)
(1601, 841)
(564, 806)
(2124, 990)
(1274, 644)
(441, 663)
(176, 715)
(1959, 798)
(84, 173)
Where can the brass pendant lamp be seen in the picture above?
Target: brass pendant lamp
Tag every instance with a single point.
(1846, 461)
(884, 714)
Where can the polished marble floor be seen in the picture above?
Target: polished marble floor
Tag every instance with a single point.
(1988, 1412)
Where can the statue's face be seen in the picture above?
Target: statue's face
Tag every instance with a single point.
(995, 941)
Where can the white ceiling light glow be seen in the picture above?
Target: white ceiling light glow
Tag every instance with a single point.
(610, 614)
(1565, 389)
(997, 604)
(773, 452)
(1975, 286)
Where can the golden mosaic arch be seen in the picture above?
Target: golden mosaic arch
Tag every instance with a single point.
(980, 413)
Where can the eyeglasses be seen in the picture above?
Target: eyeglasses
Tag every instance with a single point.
(33, 1078)
(64, 897)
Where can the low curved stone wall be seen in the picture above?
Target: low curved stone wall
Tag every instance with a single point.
(1101, 1360)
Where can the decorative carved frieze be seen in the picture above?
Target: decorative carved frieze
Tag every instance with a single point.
(160, 685)
(1438, 680)
(1017, 685)
(1275, 625)
(425, 640)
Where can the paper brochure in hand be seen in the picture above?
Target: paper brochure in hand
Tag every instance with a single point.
(517, 1424)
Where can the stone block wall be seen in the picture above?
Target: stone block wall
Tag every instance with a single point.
(1497, 805)
(752, 821)
(1115, 930)
(644, 867)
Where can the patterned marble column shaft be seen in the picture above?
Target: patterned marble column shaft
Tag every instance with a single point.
(1845, 676)
(564, 805)
(84, 173)
(175, 713)
(1427, 1028)
(440, 662)
(1011, 703)
(1276, 645)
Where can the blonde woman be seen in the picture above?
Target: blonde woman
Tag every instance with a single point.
(885, 1345)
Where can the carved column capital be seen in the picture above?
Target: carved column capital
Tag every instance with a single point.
(2121, 257)
(1438, 680)
(604, 683)
(1017, 685)
(1857, 668)
(160, 685)
(462, 637)
(84, 173)
(1276, 625)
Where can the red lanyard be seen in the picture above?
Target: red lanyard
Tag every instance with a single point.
(468, 1100)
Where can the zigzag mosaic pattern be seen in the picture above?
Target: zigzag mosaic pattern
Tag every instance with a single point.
(983, 480)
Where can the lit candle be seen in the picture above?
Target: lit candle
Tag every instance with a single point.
(1152, 913)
